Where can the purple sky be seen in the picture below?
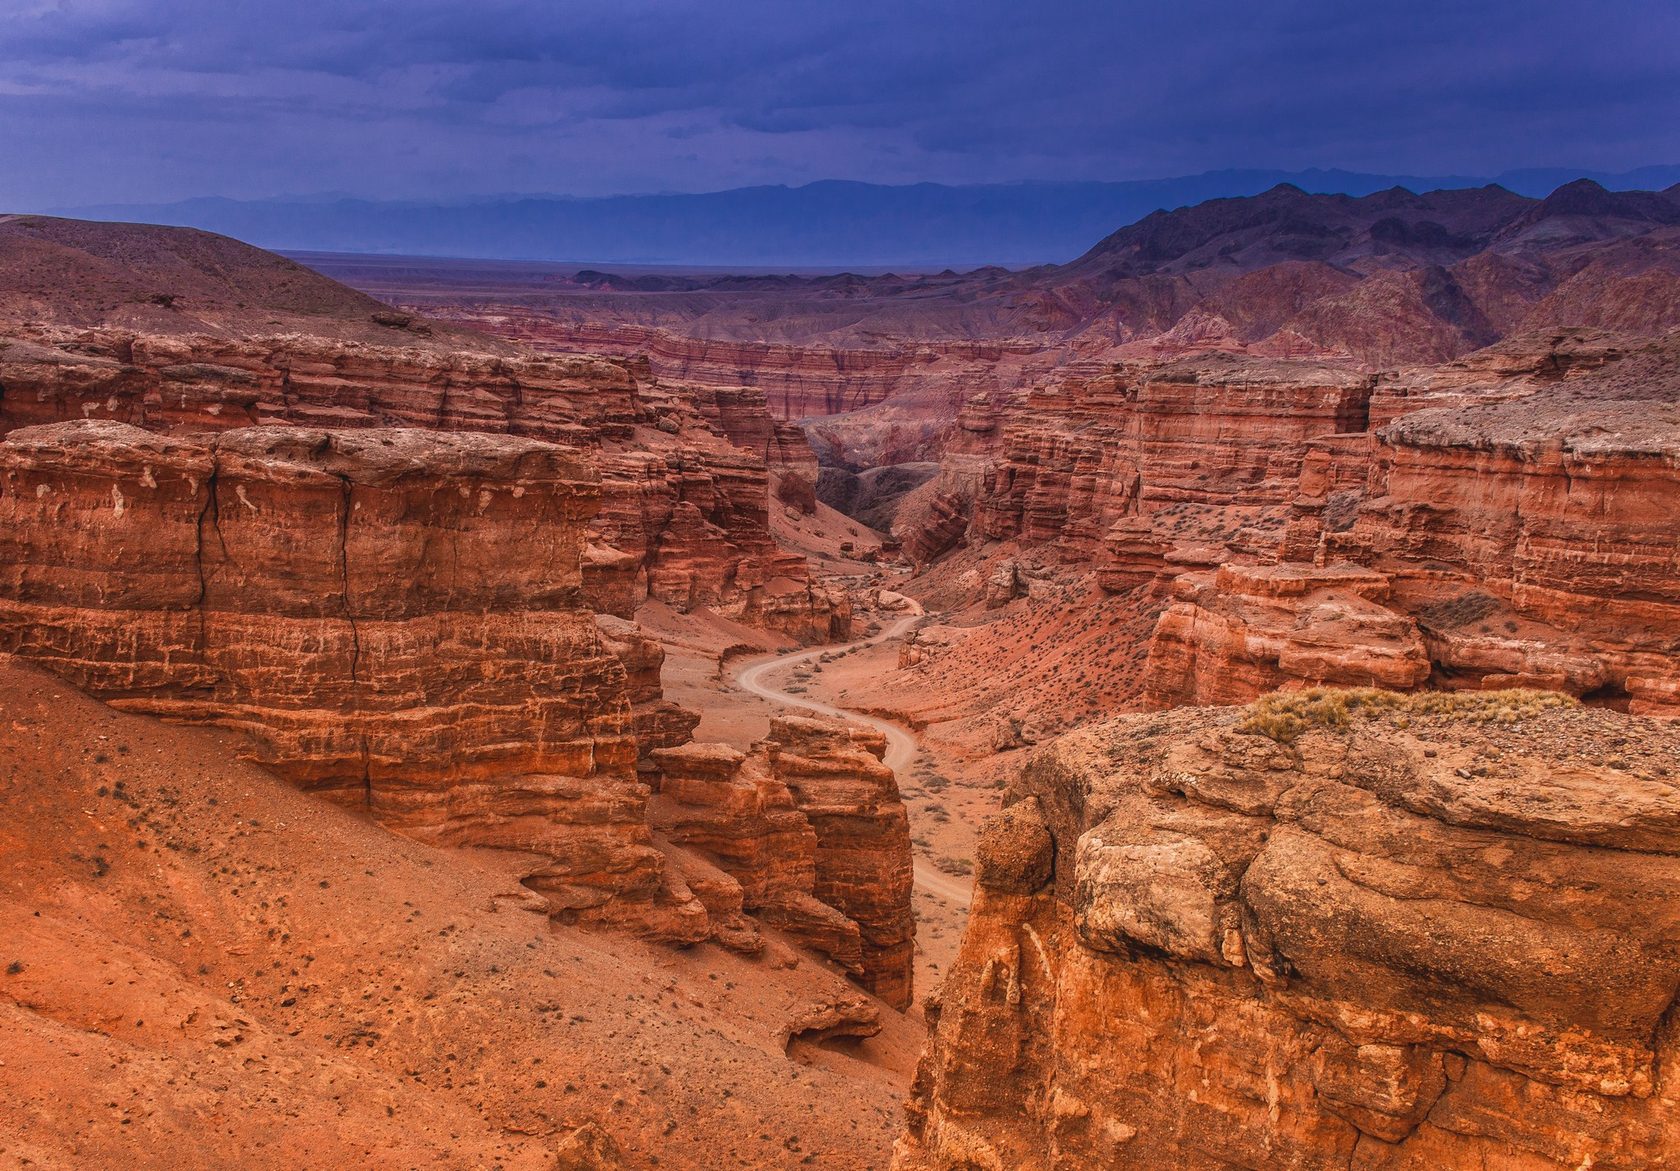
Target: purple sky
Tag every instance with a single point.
(139, 100)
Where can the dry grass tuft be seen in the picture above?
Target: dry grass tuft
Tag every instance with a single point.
(1285, 715)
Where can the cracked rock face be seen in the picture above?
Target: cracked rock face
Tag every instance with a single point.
(393, 618)
(1443, 934)
(400, 620)
(683, 472)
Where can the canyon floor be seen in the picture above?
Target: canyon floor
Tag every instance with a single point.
(728, 675)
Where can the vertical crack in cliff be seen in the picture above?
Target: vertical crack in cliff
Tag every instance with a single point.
(513, 405)
(346, 503)
(209, 515)
(1353, 414)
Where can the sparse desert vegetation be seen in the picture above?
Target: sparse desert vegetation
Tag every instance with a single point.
(1287, 715)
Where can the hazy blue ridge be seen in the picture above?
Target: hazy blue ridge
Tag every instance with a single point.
(827, 224)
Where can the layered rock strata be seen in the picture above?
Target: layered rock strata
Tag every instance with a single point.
(1437, 932)
(810, 826)
(658, 722)
(1503, 520)
(393, 618)
(1518, 510)
(829, 376)
(684, 481)
(850, 797)
(1186, 443)
(1241, 631)
(1537, 543)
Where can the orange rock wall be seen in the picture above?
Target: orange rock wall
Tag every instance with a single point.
(863, 868)
(1574, 536)
(811, 828)
(399, 620)
(393, 618)
(1514, 513)
(797, 381)
(1443, 942)
(1063, 463)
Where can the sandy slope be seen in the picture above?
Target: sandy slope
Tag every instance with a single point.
(201, 967)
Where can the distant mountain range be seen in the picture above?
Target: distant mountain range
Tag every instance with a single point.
(1390, 278)
(829, 224)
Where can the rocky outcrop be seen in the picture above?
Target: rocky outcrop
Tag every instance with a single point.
(1515, 504)
(159, 381)
(734, 810)
(684, 505)
(1185, 443)
(810, 828)
(398, 619)
(1340, 930)
(940, 525)
(1535, 540)
(850, 797)
(1242, 631)
(658, 722)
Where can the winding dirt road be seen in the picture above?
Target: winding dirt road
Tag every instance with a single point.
(901, 744)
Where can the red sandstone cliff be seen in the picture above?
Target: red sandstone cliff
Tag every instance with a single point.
(887, 373)
(684, 505)
(1500, 521)
(395, 619)
(810, 828)
(401, 571)
(1516, 527)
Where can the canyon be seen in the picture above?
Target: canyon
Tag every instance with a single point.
(1216, 694)
(1496, 522)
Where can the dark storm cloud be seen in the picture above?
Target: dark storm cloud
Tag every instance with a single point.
(138, 99)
